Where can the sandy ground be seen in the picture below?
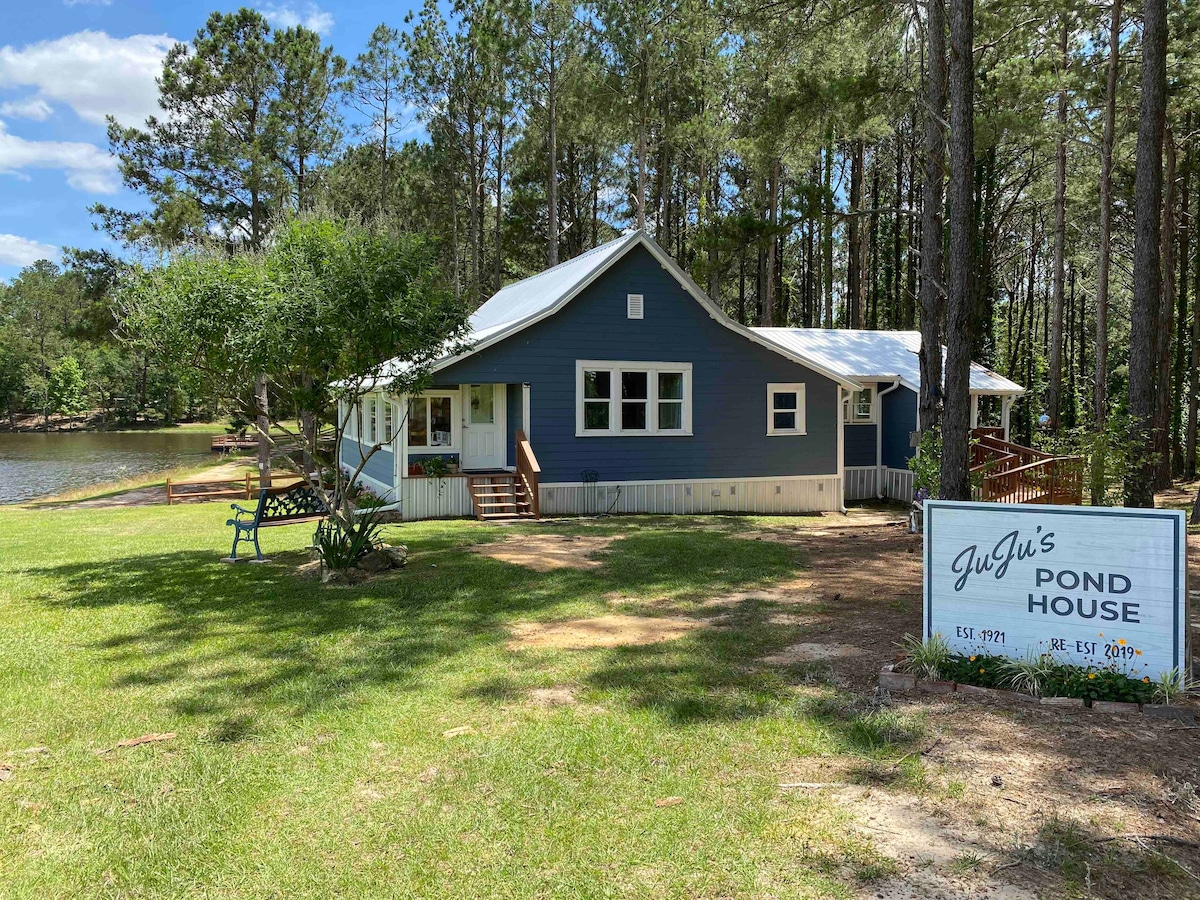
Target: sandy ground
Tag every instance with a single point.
(547, 552)
(231, 472)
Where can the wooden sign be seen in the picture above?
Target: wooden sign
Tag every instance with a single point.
(1092, 586)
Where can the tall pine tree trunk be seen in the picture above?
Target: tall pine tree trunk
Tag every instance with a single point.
(827, 242)
(956, 414)
(1147, 271)
(552, 150)
(1054, 387)
(1166, 322)
(929, 408)
(855, 276)
(1100, 391)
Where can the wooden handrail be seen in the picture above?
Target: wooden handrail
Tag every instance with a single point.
(529, 472)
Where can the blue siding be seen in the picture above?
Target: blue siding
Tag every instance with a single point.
(729, 386)
(899, 420)
(860, 445)
(379, 466)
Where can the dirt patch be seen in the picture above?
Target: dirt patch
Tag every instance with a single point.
(600, 632)
(807, 652)
(149, 496)
(934, 861)
(547, 552)
(558, 695)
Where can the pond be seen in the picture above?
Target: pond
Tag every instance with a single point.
(36, 465)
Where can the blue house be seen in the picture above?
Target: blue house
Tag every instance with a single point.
(612, 383)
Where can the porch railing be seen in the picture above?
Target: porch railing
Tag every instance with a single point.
(529, 471)
(1004, 472)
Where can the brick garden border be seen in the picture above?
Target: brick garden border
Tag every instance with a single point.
(904, 683)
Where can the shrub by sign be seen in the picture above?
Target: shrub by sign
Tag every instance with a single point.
(1091, 586)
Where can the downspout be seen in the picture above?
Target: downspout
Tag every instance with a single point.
(879, 492)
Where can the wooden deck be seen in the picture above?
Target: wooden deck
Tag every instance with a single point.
(1004, 472)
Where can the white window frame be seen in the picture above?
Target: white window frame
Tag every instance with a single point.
(615, 368)
(801, 410)
(371, 420)
(848, 413)
(455, 445)
(389, 420)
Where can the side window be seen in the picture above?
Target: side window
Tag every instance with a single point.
(860, 407)
(786, 409)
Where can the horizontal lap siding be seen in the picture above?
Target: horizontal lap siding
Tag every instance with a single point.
(730, 376)
(899, 421)
(860, 445)
(379, 466)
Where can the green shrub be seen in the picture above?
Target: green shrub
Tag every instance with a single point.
(342, 549)
(926, 658)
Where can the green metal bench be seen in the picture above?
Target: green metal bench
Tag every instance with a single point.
(276, 506)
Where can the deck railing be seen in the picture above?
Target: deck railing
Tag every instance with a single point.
(529, 472)
(1004, 472)
(226, 489)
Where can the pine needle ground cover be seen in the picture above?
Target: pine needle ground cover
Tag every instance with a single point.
(174, 727)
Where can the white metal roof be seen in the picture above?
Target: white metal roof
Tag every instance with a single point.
(525, 302)
(876, 356)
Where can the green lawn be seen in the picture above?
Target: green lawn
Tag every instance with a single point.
(310, 758)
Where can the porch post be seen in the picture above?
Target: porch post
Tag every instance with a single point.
(1006, 405)
(974, 410)
(525, 410)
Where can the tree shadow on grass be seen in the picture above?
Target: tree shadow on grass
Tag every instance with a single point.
(239, 644)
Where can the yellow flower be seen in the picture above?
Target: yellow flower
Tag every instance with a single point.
(1146, 680)
(981, 671)
(1091, 675)
(1121, 641)
(1137, 652)
(972, 659)
(1102, 634)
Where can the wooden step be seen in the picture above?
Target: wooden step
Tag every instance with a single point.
(519, 515)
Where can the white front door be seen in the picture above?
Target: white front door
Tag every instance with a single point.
(484, 426)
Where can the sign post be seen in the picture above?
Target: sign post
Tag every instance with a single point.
(1091, 586)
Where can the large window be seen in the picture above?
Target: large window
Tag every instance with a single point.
(431, 421)
(633, 398)
(860, 407)
(785, 409)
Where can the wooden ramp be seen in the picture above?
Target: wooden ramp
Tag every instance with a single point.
(1004, 472)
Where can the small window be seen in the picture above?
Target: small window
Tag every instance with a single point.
(635, 395)
(597, 396)
(860, 407)
(389, 430)
(785, 409)
(636, 306)
(372, 430)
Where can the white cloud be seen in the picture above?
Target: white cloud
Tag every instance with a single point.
(96, 75)
(30, 108)
(87, 2)
(286, 15)
(18, 251)
(87, 167)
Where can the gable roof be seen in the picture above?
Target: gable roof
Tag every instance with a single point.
(523, 303)
(876, 356)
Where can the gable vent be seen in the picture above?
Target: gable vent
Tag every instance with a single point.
(636, 306)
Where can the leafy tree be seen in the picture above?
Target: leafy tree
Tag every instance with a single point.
(66, 388)
(327, 313)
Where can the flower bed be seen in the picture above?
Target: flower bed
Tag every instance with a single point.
(1039, 675)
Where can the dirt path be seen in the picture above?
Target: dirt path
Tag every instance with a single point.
(232, 472)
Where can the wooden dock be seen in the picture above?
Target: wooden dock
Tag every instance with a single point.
(225, 443)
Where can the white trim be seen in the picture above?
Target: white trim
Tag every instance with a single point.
(455, 445)
(788, 387)
(635, 306)
(616, 368)
(841, 448)
(874, 419)
(526, 390)
(639, 237)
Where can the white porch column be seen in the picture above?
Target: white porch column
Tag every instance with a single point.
(525, 410)
(974, 410)
(1006, 405)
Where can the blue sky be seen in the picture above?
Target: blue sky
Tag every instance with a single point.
(65, 64)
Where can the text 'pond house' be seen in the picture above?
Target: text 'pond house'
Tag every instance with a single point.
(612, 383)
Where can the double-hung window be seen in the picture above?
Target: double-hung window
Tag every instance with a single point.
(860, 407)
(389, 428)
(372, 411)
(786, 409)
(633, 398)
